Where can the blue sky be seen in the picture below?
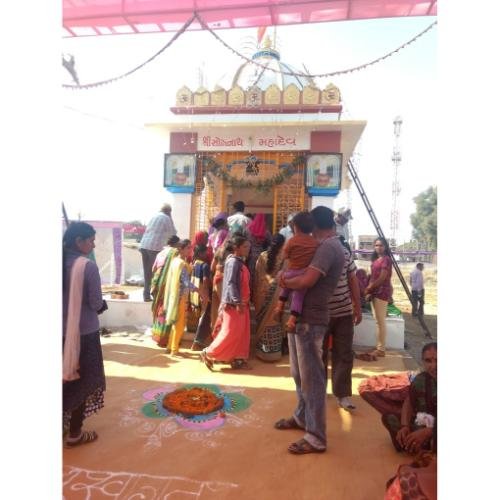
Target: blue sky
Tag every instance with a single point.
(400, 85)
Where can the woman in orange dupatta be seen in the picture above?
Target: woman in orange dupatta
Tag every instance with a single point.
(232, 343)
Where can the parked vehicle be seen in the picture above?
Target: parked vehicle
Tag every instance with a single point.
(133, 231)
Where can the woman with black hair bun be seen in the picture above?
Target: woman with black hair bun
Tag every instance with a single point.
(266, 295)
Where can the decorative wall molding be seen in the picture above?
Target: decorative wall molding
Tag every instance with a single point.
(291, 99)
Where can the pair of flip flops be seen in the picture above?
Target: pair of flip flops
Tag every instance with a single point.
(300, 447)
(366, 356)
(303, 447)
(240, 364)
(285, 424)
(370, 356)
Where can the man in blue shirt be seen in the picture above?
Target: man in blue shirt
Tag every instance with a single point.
(158, 231)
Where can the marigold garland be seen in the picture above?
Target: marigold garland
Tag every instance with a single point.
(286, 171)
(192, 401)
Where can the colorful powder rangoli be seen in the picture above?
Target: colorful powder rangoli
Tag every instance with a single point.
(194, 406)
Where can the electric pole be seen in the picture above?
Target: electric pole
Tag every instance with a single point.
(396, 188)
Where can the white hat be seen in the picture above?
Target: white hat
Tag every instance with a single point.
(345, 212)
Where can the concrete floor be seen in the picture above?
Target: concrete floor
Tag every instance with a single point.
(245, 458)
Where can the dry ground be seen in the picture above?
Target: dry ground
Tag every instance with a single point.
(140, 457)
(245, 458)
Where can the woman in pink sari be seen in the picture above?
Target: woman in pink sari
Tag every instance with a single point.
(232, 343)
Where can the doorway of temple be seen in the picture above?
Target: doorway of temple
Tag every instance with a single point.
(272, 183)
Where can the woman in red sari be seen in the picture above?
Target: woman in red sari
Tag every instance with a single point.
(232, 343)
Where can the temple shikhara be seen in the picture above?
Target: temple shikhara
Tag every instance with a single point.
(267, 135)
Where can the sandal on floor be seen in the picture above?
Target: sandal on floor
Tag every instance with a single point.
(208, 362)
(85, 437)
(287, 423)
(301, 447)
(239, 364)
(366, 356)
(378, 353)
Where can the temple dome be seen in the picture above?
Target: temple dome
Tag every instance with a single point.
(249, 75)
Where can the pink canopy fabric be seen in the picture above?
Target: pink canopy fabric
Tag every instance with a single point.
(109, 17)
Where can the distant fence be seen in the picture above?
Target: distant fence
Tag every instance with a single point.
(404, 255)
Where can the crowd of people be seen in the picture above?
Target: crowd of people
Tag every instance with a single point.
(234, 276)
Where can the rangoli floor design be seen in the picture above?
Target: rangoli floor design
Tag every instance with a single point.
(234, 402)
(97, 484)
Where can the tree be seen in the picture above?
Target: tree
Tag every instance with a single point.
(424, 220)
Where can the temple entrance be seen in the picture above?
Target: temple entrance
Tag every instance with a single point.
(267, 182)
(255, 202)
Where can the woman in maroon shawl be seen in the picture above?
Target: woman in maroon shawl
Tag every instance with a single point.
(259, 238)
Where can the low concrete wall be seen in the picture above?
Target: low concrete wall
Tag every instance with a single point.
(131, 312)
(365, 332)
(135, 312)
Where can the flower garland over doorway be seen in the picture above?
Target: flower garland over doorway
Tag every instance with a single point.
(286, 171)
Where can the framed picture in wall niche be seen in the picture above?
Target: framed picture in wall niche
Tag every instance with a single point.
(179, 172)
(323, 173)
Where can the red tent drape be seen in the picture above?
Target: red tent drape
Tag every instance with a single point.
(108, 17)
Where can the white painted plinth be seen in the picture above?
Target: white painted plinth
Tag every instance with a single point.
(131, 312)
(365, 332)
(135, 312)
